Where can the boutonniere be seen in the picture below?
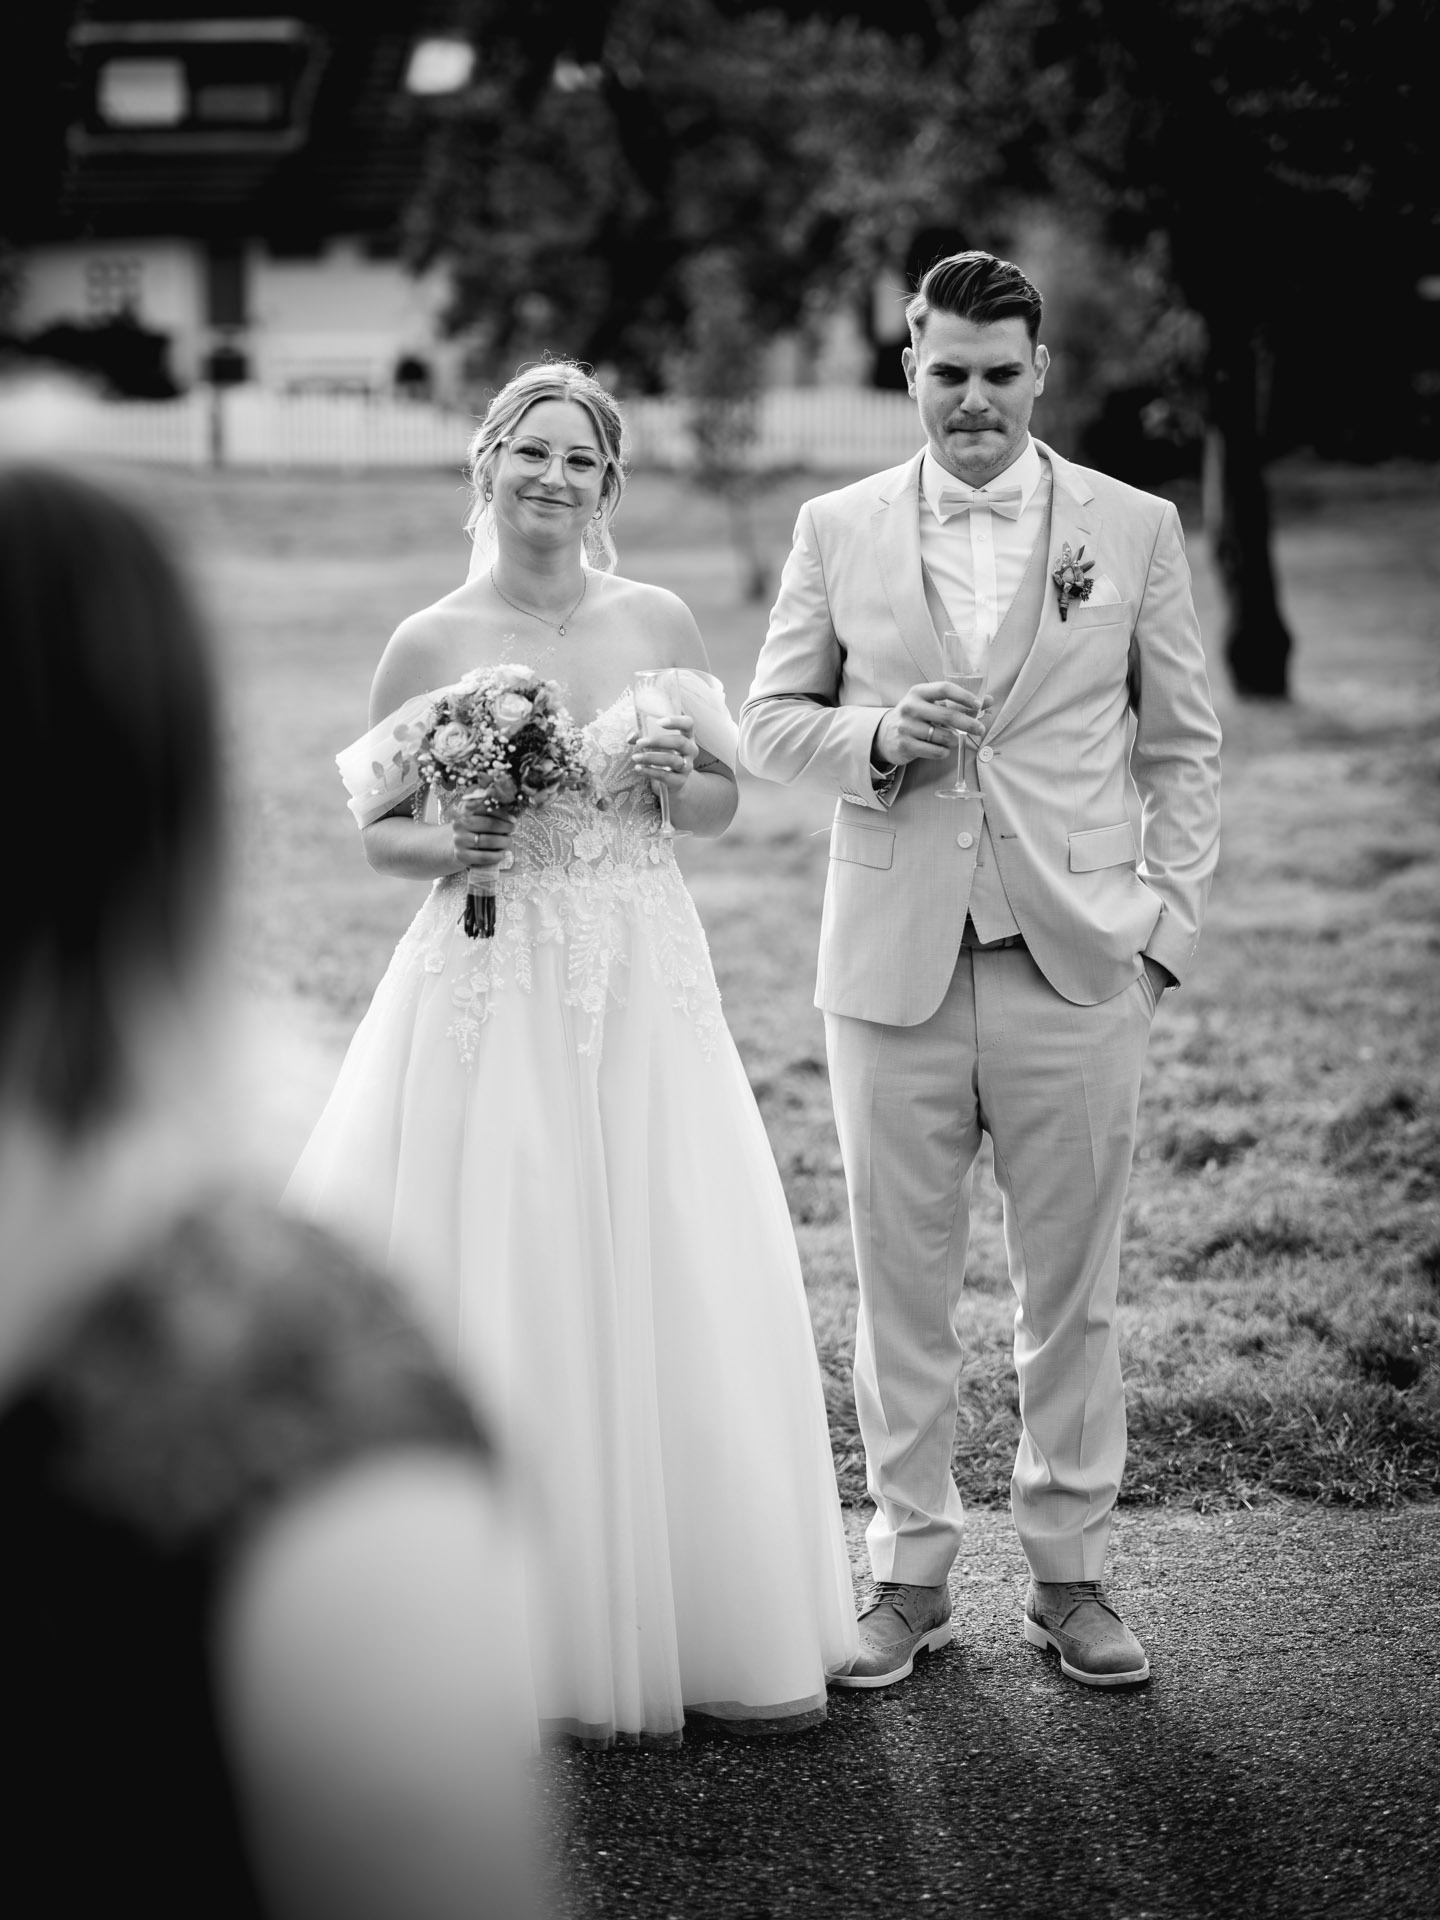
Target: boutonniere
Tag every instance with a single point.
(1070, 577)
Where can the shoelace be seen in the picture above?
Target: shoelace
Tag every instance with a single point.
(1082, 1590)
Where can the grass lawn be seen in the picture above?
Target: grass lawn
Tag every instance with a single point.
(1281, 1275)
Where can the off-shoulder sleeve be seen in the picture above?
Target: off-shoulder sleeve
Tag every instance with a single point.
(379, 767)
(715, 731)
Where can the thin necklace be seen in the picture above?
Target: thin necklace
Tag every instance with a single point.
(558, 626)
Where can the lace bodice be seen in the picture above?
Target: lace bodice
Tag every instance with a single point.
(614, 822)
(591, 873)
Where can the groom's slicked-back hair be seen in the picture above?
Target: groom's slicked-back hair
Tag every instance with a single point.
(975, 286)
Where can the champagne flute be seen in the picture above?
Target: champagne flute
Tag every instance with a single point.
(658, 697)
(964, 664)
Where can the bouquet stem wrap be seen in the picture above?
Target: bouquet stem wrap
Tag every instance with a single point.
(480, 904)
(480, 883)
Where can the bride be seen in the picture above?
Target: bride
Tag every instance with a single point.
(551, 1138)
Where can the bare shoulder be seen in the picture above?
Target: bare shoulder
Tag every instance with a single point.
(357, 1681)
(661, 619)
(416, 656)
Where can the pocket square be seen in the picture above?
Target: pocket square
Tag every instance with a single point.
(1104, 592)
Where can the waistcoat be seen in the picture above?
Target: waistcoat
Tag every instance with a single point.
(1009, 650)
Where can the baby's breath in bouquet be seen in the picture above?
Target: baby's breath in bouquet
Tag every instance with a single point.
(499, 741)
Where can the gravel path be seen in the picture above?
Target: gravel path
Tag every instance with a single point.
(1284, 1760)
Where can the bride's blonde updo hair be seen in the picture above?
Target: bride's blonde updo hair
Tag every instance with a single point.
(549, 379)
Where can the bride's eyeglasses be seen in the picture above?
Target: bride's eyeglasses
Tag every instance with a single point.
(533, 456)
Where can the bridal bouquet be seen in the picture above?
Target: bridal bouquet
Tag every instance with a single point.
(500, 741)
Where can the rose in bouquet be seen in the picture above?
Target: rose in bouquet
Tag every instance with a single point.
(499, 742)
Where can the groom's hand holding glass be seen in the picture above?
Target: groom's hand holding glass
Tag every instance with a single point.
(928, 723)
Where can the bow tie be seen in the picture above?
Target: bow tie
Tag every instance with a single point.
(1004, 500)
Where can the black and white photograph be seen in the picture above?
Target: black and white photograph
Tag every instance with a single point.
(719, 1037)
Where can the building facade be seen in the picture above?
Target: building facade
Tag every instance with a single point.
(234, 179)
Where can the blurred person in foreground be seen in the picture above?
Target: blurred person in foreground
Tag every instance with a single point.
(250, 1572)
(551, 1133)
(992, 964)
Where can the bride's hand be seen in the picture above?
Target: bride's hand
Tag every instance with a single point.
(481, 839)
(666, 752)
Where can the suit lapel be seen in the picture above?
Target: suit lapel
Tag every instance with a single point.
(1073, 518)
(896, 526)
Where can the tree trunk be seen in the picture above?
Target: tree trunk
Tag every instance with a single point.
(1237, 520)
(754, 574)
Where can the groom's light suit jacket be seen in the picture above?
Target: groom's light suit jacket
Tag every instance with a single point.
(852, 630)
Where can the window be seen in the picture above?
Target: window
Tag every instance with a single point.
(439, 66)
(242, 104)
(141, 93)
(112, 287)
(206, 86)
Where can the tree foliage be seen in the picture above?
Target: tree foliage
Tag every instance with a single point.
(1282, 148)
(1285, 148)
(660, 185)
(608, 151)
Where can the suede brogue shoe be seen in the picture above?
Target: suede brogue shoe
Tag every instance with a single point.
(1094, 1644)
(896, 1623)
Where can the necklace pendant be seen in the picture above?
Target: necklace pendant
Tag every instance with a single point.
(561, 632)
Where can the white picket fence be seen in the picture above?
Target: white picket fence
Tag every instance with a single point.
(826, 430)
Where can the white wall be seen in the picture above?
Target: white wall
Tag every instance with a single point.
(342, 320)
(828, 349)
(74, 281)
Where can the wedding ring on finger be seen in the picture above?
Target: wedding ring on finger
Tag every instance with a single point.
(930, 734)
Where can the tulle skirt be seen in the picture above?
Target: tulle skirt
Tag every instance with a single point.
(583, 1202)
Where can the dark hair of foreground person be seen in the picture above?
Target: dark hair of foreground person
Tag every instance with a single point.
(111, 738)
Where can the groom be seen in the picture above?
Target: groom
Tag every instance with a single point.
(992, 964)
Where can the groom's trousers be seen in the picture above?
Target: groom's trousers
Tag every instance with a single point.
(1056, 1086)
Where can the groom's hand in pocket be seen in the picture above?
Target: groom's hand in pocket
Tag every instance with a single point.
(1159, 977)
(928, 721)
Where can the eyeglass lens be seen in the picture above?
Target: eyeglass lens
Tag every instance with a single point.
(579, 463)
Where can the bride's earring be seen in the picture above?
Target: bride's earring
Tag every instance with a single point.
(489, 493)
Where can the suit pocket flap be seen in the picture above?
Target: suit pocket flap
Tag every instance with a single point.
(866, 846)
(1102, 847)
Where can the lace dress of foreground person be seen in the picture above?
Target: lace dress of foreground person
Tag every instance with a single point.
(551, 1138)
(232, 1384)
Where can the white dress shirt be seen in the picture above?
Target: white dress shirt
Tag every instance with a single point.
(976, 558)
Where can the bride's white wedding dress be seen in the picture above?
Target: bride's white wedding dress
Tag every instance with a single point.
(551, 1138)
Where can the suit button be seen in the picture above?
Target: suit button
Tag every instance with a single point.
(965, 840)
(987, 753)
